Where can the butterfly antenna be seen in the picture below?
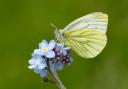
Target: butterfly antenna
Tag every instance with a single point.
(55, 31)
(53, 26)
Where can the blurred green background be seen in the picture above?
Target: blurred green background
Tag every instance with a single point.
(24, 23)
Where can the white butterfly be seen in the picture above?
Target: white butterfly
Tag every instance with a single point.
(86, 35)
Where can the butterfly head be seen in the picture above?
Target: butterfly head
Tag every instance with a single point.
(58, 34)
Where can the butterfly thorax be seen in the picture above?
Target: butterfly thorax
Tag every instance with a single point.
(59, 35)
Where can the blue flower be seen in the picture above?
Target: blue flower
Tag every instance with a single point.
(62, 49)
(46, 49)
(43, 73)
(59, 66)
(37, 63)
(51, 53)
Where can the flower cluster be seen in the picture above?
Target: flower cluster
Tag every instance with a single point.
(47, 53)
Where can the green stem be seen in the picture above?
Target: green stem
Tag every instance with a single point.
(55, 76)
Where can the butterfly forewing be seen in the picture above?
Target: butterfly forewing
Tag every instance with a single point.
(97, 20)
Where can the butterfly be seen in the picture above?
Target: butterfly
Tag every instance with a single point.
(85, 35)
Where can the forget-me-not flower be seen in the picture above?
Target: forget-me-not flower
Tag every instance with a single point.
(46, 49)
(59, 66)
(37, 62)
(47, 54)
(62, 49)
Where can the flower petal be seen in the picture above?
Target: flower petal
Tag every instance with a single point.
(38, 52)
(43, 73)
(50, 54)
(31, 66)
(59, 66)
(41, 66)
(36, 70)
(51, 44)
(43, 61)
(61, 45)
(65, 50)
(31, 61)
(38, 61)
(43, 44)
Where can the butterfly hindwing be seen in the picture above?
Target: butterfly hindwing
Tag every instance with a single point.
(86, 43)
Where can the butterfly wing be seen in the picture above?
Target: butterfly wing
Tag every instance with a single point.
(86, 43)
(97, 20)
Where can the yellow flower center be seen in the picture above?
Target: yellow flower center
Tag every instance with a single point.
(44, 50)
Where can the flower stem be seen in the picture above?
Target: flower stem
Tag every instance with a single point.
(55, 76)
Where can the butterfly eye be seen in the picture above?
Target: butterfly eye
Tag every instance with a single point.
(64, 35)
